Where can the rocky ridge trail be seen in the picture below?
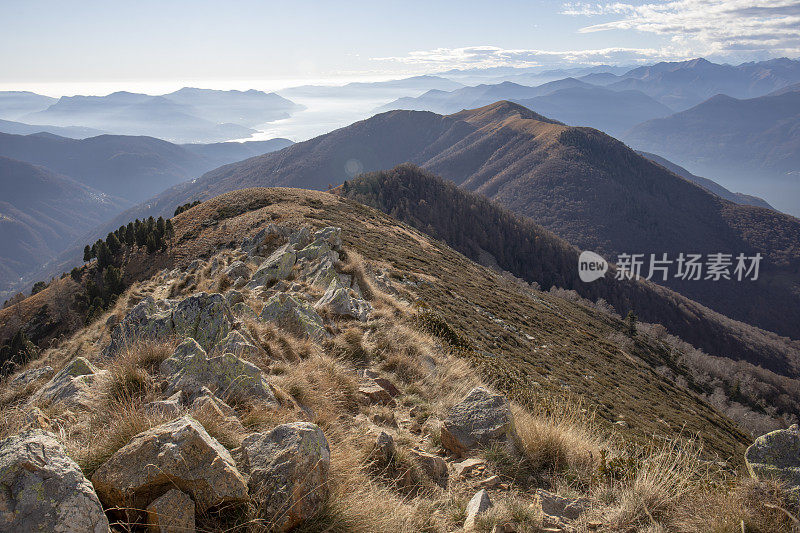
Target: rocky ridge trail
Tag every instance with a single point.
(246, 422)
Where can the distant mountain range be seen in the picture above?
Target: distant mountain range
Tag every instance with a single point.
(187, 115)
(579, 183)
(568, 100)
(73, 132)
(753, 142)
(97, 178)
(40, 212)
(413, 85)
(709, 185)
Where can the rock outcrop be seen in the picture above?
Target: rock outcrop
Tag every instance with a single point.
(480, 418)
(337, 301)
(190, 369)
(179, 454)
(295, 315)
(43, 489)
(776, 455)
(288, 469)
(72, 386)
(276, 267)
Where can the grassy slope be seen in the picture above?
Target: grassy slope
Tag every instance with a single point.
(570, 353)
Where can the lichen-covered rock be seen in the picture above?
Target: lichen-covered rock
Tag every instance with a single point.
(237, 269)
(208, 407)
(234, 297)
(252, 245)
(776, 455)
(322, 272)
(237, 344)
(29, 376)
(177, 455)
(243, 311)
(300, 238)
(338, 302)
(42, 489)
(172, 406)
(171, 513)
(297, 316)
(478, 419)
(331, 235)
(204, 317)
(73, 386)
(289, 469)
(190, 369)
(315, 250)
(150, 319)
(277, 266)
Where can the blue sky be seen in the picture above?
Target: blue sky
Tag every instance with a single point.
(90, 41)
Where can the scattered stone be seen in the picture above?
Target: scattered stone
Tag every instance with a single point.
(561, 508)
(375, 394)
(73, 385)
(289, 469)
(776, 455)
(433, 465)
(179, 454)
(469, 467)
(171, 513)
(29, 376)
(480, 418)
(490, 482)
(36, 419)
(478, 505)
(171, 407)
(338, 302)
(388, 386)
(295, 315)
(237, 269)
(384, 448)
(43, 489)
(190, 369)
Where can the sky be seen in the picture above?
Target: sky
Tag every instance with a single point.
(67, 46)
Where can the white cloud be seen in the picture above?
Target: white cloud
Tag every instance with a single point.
(492, 56)
(706, 27)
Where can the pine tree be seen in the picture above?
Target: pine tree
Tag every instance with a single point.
(630, 324)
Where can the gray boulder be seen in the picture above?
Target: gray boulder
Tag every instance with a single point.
(237, 269)
(480, 418)
(776, 455)
(237, 343)
(234, 297)
(338, 302)
(295, 315)
(243, 311)
(29, 376)
(73, 386)
(289, 469)
(276, 267)
(150, 319)
(331, 235)
(190, 369)
(177, 455)
(204, 317)
(44, 490)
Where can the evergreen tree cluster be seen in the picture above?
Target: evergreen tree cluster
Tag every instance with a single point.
(181, 208)
(153, 234)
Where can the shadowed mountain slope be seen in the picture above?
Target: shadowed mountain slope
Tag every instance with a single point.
(583, 185)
